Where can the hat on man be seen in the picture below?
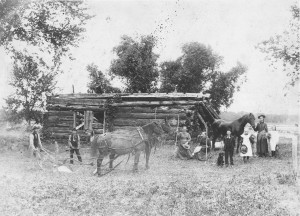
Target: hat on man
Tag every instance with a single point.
(261, 115)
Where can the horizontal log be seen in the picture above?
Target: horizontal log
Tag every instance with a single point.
(97, 125)
(124, 128)
(74, 107)
(77, 101)
(133, 95)
(59, 130)
(59, 113)
(149, 115)
(60, 118)
(154, 103)
(98, 131)
(149, 110)
(134, 122)
(61, 125)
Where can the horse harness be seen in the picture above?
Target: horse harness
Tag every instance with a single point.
(108, 147)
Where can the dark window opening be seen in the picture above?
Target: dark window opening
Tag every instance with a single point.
(79, 120)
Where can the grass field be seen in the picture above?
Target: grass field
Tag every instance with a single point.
(264, 186)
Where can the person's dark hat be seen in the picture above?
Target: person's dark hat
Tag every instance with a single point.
(261, 115)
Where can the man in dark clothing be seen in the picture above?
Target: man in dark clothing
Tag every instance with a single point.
(262, 140)
(35, 144)
(74, 144)
(229, 143)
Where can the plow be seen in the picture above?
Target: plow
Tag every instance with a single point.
(48, 160)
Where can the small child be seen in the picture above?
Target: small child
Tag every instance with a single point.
(246, 148)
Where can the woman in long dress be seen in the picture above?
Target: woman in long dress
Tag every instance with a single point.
(183, 148)
(262, 140)
(246, 147)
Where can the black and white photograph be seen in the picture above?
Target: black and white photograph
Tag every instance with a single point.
(149, 107)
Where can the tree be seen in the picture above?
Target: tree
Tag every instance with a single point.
(136, 64)
(49, 28)
(191, 71)
(197, 70)
(284, 49)
(37, 35)
(31, 86)
(99, 83)
(223, 86)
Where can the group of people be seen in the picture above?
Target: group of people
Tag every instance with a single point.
(183, 151)
(264, 145)
(35, 144)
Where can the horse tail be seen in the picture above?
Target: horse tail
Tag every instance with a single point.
(94, 147)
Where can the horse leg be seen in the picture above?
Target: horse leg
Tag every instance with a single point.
(213, 143)
(99, 162)
(148, 151)
(136, 160)
(111, 160)
(237, 140)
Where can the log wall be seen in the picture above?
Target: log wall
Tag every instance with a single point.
(127, 118)
(133, 110)
(60, 124)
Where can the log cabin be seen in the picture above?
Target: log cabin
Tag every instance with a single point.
(107, 112)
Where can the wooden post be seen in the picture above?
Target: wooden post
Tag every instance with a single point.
(74, 119)
(85, 120)
(88, 120)
(298, 159)
(206, 128)
(104, 122)
(294, 153)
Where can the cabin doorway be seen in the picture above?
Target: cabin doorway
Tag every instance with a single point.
(83, 120)
(89, 120)
(99, 122)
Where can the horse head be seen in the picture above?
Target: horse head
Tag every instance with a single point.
(251, 120)
(166, 127)
(156, 128)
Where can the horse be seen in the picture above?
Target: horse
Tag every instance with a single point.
(219, 128)
(123, 142)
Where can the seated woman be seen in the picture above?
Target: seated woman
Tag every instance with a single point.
(204, 142)
(183, 148)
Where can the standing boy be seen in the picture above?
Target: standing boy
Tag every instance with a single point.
(229, 143)
(74, 144)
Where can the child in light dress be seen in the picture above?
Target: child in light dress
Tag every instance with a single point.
(246, 147)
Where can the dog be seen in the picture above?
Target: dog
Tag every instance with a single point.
(220, 160)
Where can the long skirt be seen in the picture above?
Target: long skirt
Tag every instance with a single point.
(183, 153)
(262, 144)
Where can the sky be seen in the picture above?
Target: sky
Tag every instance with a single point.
(231, 27)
